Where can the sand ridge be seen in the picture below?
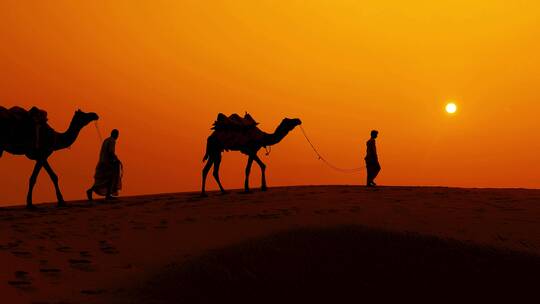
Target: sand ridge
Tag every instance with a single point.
(90, 252)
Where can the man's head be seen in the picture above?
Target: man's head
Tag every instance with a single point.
(115, 133)
(374, 133)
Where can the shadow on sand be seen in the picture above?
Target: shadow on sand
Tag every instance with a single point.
(347, 265)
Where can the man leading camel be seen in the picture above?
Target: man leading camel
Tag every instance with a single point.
(108, 176)
(372, 160)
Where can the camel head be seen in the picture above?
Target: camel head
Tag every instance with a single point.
(287, 124)
(81, 119)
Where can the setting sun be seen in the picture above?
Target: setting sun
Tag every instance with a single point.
(451, 108)
(161, 71)
(149, 148)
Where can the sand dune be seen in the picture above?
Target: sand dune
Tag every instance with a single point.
(365, 242)
(346, 264)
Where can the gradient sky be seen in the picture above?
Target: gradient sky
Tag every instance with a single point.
(160, 71)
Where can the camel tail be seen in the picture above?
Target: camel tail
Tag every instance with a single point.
(211, 147)
(206, 154)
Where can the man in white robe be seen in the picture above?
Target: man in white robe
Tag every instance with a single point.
(108, 176)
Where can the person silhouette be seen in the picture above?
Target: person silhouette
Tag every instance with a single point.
(372, 160)
(108, 176)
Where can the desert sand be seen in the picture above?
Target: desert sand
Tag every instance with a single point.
(290, 244)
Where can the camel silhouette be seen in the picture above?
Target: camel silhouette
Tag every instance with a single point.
(28, 133)
(241, 134)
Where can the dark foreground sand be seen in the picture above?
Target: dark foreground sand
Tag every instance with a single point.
(337, 244)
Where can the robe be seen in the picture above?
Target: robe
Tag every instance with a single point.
(108, 170)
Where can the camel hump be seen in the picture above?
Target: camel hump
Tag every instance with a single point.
(13, 114)
(3, 112)
(18, 114)
(234, 122)
(39, 116)
(21, 125)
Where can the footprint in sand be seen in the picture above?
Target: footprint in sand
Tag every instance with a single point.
(224, 217)
(85, 254)
(268, 216)
(287, 211)
(526, 244)
(7, 246)
(50, 270)
(22, 254)
(22, 281)
(81, 264)
(19, 228)
(11, 245)
(51, 273)
(107, 248)
(64, 249)
(326, 211)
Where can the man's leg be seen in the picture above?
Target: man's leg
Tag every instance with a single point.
(113, 183)
(376, 170)
(89, 193)
(109, 196)
(369, 177)
(373, 169)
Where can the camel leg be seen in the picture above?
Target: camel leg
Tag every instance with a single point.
(248, 171)
(33, 179)
(54, 179)
(205, 171)
(263, 172)
(217, 162)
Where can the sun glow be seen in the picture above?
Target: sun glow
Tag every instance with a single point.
(451, 108)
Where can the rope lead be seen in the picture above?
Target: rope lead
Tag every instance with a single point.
(351, 170)
(98, 131)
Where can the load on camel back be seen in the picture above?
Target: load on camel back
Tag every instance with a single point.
(234, 121)
(235, 131)
(20, 128)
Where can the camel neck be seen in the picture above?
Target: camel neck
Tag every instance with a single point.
(277, 136)
(66, 139)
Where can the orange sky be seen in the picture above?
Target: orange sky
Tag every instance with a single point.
(160, 71)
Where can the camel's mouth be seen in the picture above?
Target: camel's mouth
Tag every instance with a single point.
(93, 116)
(296, 121)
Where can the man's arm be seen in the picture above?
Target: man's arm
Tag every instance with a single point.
(112, 151)
(371, 150)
